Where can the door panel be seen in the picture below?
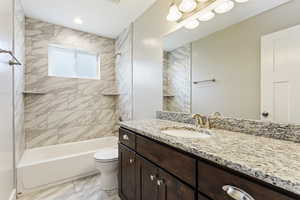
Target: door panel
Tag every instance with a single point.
(146, 180)
(127, 173)
(280, 66)
(171, 188)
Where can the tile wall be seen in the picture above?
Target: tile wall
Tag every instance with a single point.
(69, 109)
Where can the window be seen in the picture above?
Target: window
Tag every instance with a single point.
(73, 63)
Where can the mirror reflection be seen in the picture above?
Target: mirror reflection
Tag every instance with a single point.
(177, 79)
(245, 69)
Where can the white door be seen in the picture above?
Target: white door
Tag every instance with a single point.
(6, 102)
(280, 76)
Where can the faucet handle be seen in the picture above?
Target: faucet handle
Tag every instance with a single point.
(196, 116)
(207, 123)
(199, 121)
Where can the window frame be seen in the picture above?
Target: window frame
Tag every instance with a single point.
(76, 51)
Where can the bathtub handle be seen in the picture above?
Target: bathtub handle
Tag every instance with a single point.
(125, 137)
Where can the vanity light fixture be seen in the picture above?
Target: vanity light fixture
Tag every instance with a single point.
(241, 1)
(174, 13)
(190, 12)
(187, 5)
(206, 16)
(224, 7)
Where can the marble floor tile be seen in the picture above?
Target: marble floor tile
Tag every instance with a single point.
(82, 189)
(82, 184)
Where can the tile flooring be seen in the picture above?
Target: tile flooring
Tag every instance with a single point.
(82, 189)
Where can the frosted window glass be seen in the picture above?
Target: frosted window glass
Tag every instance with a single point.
(87, 65)
(61, 62)
(73, 63)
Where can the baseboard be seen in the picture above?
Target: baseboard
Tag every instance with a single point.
(13, 195)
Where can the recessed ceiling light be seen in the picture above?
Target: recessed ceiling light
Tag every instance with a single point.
(78, 20)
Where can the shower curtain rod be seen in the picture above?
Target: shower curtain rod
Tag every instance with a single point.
(15, 61)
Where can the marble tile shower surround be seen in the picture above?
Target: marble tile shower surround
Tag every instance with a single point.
(286, 132)
(177, 73)
(19, 50)
(71, 109)
(82, 189)
(124, 73)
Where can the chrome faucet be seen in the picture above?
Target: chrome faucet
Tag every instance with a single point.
(202, 121)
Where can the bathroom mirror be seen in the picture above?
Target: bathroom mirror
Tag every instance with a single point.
(177, 79)
(241, 64)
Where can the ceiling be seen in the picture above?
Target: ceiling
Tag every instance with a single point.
(102, 17)
(239, 13)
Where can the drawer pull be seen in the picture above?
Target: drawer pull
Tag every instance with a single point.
(160, 182)
(236, 193)
(152, 177)
(125, 137)
(131, 160)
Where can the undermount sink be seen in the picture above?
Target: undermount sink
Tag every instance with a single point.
(187, 132)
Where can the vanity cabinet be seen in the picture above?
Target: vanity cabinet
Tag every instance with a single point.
(170, 188)
(151, 170)
(219, 184)
(146, 175)
(127, 173)
(156, 184)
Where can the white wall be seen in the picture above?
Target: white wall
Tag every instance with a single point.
(6, 102)
(147, 60)
(232, 56)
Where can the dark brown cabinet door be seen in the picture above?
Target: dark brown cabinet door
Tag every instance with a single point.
(171, 188)
(201, 197)
(127, 173)
(147, 173)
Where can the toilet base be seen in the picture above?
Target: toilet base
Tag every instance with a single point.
(108, 182)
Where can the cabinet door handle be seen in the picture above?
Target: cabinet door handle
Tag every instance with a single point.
(131, 160)
(152, 177)
(236, 193)
(125, 137)
(160, 182)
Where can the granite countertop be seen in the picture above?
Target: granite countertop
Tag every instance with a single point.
(271, 160)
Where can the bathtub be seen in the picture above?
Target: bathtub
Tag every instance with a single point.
(46, 166)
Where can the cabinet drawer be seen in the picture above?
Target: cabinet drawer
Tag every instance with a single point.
(171, 160)
(127, 138)
(211, 181)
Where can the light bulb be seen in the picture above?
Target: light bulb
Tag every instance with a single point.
(206, 16)
(187, 5)
(224, 7)
(174, 13)
(192, 24)
(241, 1)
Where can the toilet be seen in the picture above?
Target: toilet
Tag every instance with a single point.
(106, 161)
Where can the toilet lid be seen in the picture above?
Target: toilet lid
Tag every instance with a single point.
(106, 154)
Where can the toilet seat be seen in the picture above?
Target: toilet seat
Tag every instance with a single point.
(106, 155)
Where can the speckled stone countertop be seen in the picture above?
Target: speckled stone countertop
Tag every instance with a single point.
(271, 160)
